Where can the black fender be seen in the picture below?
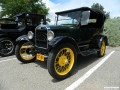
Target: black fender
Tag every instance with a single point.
(8, 37)
(103, 37)
(106, 39)
(97, 40)
(3, 35)
(22, 38)
(63, 39)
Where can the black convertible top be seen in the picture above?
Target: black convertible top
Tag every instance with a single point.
(36, 18)
(6, 19)
(82, 9)
(94, 14)
(29, 15)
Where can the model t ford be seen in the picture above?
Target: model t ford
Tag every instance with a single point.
(11, 29)
(77, 31)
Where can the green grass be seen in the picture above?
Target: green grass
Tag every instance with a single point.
(113, 31)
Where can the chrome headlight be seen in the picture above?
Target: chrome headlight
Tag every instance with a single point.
(50, 35)
(30, 35)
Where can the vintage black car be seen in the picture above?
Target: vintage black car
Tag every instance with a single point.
(11, 29)
(77, 31)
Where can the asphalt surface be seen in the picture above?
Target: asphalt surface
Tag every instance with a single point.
(15, 75)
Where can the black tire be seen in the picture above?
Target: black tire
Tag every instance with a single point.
(101, 52)
(52, 57)
(18, 53)
(7, 47)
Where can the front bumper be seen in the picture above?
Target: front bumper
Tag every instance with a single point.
(41, 54)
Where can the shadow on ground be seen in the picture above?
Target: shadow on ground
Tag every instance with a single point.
(41, 64)
(82, 62)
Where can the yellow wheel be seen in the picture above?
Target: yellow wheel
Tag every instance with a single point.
(64, 61)
(101, 52)
(61, 61)
(23, 52)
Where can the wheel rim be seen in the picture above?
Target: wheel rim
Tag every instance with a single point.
(64, 61)
(24, 51)
(6, 47)
(102, 48)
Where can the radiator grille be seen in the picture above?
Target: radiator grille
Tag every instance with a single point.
(41, 38)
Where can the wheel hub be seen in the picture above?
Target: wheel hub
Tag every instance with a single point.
(63, 60)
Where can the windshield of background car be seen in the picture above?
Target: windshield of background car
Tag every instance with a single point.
(70, 18)
(20, 21)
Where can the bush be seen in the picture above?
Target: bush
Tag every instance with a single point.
(112, 30)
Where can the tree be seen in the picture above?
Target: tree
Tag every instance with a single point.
(100, 7)
(12, 7)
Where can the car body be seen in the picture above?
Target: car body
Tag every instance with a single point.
(11, 29)
(77, 31)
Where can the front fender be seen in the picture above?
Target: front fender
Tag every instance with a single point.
(22, 38)
(63, 39)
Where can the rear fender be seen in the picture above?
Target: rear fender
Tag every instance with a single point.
(97, 39)
(103, 37)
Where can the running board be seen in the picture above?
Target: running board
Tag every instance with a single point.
(89, 52)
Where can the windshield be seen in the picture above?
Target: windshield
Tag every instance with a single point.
(70, 18)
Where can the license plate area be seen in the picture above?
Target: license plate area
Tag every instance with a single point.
(40, 57)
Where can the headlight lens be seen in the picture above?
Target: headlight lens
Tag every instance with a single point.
(50, 35)
(30, 35)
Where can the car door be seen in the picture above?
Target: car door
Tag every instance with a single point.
(87, 29)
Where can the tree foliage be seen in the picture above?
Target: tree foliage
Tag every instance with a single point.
(13, 7)
(100, 7)
(112, 31)
(112, 27)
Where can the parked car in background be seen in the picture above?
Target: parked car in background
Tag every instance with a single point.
(77, 31)
(11, 29)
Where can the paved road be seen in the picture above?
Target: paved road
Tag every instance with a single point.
(34, 76)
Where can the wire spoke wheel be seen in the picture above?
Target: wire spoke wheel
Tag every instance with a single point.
(24, 51)
(61, 61)
(64, 61)
(6, 47)
(102, 50)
